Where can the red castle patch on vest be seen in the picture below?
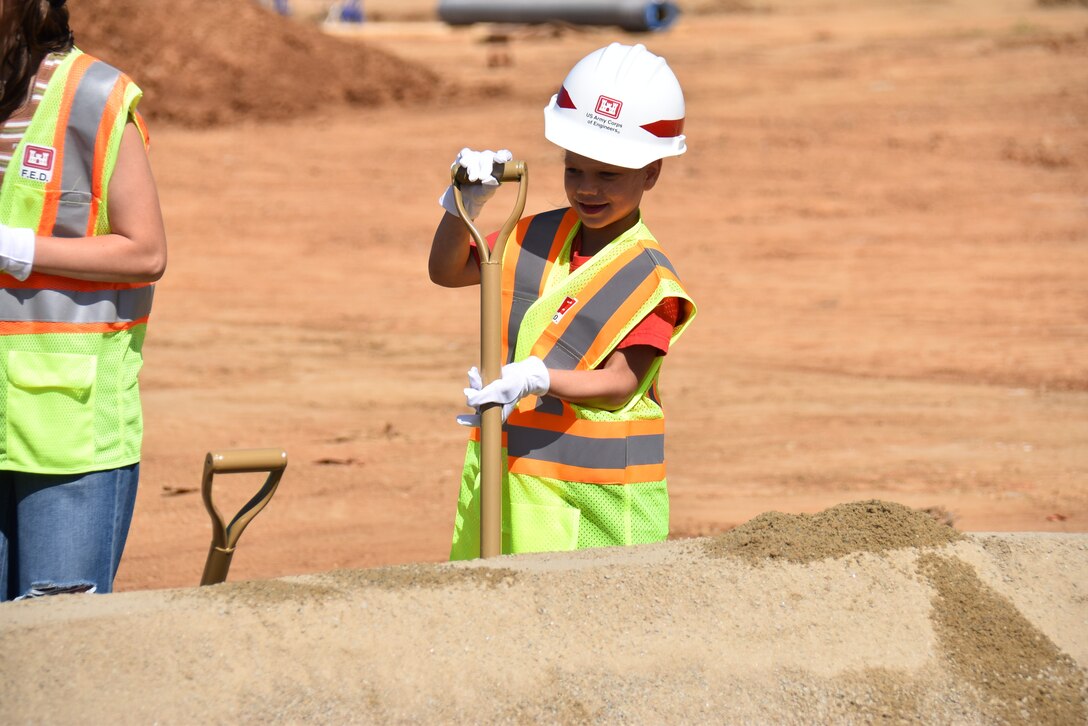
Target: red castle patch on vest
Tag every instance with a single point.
(566, 305)
(38, 163)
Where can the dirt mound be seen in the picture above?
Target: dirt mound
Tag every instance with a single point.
(206, 62)
(870, 526)
(983, 638)
(980, 629)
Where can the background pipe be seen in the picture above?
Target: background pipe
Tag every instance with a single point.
(631, 15)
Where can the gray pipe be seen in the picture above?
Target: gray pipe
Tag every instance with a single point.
(631, 15)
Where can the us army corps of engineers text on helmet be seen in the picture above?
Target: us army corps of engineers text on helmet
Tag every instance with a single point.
(619, 105)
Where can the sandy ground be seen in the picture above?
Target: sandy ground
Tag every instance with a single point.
(882, 217)
(755, 626)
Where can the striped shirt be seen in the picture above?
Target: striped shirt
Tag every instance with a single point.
(11, 133)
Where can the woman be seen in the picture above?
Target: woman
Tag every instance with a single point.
(81, 242)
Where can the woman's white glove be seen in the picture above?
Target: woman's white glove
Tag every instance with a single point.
(521, 379)
(16, 251)
(478, 166)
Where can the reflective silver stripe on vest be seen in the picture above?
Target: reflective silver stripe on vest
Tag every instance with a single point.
(596, 312)
(77, 177)
(549, 404)
(661, 260)
(68, 306)
(580, 451)
(532, 261)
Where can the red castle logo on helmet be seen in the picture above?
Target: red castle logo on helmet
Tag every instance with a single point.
(609, 107)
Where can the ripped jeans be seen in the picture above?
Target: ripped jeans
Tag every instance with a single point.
(63, 533)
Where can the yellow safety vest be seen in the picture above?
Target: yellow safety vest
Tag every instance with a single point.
(70, 350)
(574, 476)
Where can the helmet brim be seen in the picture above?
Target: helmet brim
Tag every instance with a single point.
(605, 146)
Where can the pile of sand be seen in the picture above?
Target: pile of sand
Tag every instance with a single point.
(866, 613)
(203, 62)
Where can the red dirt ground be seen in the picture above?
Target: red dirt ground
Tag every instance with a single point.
(882, 217)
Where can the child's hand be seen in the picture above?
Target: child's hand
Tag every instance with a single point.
(478, 166)
(475, 383)
(520, 379)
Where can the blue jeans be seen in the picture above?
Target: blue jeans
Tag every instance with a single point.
(63, 533)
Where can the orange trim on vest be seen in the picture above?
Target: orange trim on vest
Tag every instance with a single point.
(565, 472)
(512, 253)
(42, 281)
(586, 429)
(567, 423)
(566, 226)
(591, 288)
(598, 449)
(603, 344)
(53, 188)
(554, 332)
(32, 327)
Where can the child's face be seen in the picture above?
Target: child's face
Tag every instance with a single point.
(606, 197)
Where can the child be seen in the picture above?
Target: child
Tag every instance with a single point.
(591, 304)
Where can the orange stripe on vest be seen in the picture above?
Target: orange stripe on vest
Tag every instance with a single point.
(16, 327)
(565, 472)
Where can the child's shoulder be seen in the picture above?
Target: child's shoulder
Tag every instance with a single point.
(549, 223)
(551, 216)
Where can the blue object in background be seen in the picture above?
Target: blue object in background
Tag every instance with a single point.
(634, 16)
(281, 7)
(351, 11)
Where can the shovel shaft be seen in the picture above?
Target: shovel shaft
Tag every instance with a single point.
(491, 349)
(491, 415)
(216, 566)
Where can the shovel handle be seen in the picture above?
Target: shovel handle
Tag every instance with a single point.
(504, 172)
(491, 347)
(245, 460)
(510, 171)
(225, 536)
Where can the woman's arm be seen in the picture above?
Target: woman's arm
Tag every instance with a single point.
(136, 250)
(609, 386)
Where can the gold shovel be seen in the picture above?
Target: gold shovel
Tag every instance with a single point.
(225, 536)
(491, 348)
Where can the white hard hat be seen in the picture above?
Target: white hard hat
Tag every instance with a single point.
(619, 105)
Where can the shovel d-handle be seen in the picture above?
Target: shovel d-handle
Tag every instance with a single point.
(510, 171)
(225, 536)
(491, 348)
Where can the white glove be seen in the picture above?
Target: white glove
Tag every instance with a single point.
(16, 251)
(527, 377)
(478, 165)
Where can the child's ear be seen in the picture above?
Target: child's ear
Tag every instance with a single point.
(653, 173)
